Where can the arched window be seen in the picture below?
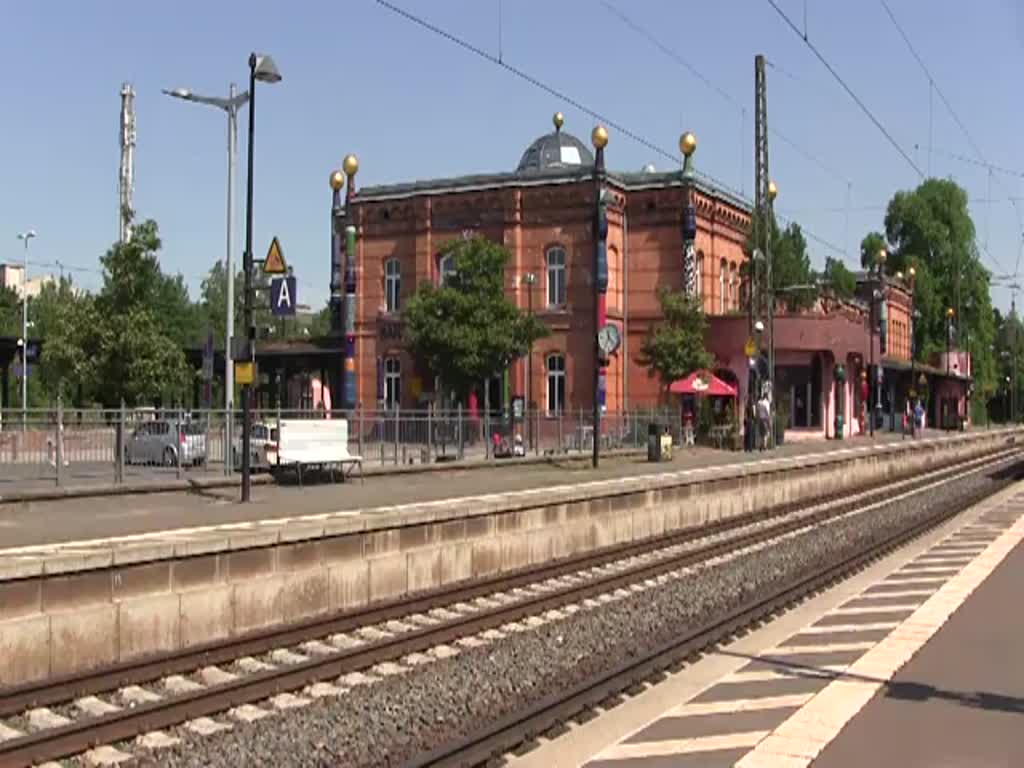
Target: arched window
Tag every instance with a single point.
(446, 267)
(555, 262)
(392, 285)
(734, 300)
(392, 382)
(723, 270)
(556, 384)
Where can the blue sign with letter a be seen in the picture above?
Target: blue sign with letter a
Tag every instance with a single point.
(283, 297)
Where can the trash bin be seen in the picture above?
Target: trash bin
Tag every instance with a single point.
(653, 442)
(665, 454)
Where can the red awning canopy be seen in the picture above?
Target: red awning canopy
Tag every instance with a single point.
(702, 383)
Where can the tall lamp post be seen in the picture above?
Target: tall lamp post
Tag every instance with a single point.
(911, 274)
(950, 314)
(261, 68)
(529, 280)
(24, 236)
(773, 192)
(230, 105)
(875, 318)
(599, 138)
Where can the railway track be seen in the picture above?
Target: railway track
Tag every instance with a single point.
(547, 715)
(431, 621)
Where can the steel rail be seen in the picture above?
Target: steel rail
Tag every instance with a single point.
(60, 689)
(85, 733)
(518, 728)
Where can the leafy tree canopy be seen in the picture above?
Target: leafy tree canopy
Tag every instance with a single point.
(791, 264)
(467, 330)
(931, 229)
(675, 347)
(840, 279)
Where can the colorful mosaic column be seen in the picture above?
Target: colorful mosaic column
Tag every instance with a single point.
(600, 141)
(348, 395)
(687, 145)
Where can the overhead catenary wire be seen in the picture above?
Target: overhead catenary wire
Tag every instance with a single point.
(934, 86)
(721, 92)
(860, 103)
(552, 91)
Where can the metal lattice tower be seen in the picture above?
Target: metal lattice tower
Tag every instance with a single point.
(126, 175)
(759, 282)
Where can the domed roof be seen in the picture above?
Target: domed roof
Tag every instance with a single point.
(555, 150)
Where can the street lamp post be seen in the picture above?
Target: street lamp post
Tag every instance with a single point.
(529, 279)
(599, 138)
(773, 192)
(911, 274)
(950, 314)
(230, 105)
(877, 296)
(261, 68)
(24, 236)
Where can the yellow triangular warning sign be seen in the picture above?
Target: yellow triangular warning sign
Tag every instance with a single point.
(274, 263)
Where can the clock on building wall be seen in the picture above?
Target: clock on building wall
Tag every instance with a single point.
(608, 339)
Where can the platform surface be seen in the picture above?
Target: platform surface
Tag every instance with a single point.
(54, 522)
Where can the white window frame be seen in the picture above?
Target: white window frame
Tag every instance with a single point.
(445, 267)
(392, 285)
(553, 375)
(555, 272)
(392, 383)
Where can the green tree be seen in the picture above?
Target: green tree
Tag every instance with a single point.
(870, 246)
(840, 279)
(70, 364)
(674, 348)
(466, 330)
(792, 277)
(930, 228)
(126, 343)
(10, 313)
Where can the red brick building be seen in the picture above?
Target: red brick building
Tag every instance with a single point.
(542, 212)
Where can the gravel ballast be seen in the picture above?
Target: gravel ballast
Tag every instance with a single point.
(393, 720)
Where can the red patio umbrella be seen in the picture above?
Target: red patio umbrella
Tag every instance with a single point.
(702, 383)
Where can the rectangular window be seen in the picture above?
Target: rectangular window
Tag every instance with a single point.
(392, 383)
(556, 277)
(556, 384)
(392, 285)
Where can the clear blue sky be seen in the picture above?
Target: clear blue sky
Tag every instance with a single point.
(358, 78)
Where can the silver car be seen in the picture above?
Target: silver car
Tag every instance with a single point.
(262, 438)
(167, 443)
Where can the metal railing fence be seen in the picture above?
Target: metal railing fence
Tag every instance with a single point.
(69, 446)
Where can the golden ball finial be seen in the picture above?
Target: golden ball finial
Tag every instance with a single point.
(559, 120)
(773, 191)
(950, 312)
(912, 272)
(899, 275)
(350, 164)
(599, 137)
(337, 180)
(882, 256)
(687, 143)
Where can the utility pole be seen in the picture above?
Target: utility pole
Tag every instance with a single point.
(764, 195)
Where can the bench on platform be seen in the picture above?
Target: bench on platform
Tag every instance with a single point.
(319, 443)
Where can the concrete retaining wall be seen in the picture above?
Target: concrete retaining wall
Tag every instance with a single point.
(65, 610)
